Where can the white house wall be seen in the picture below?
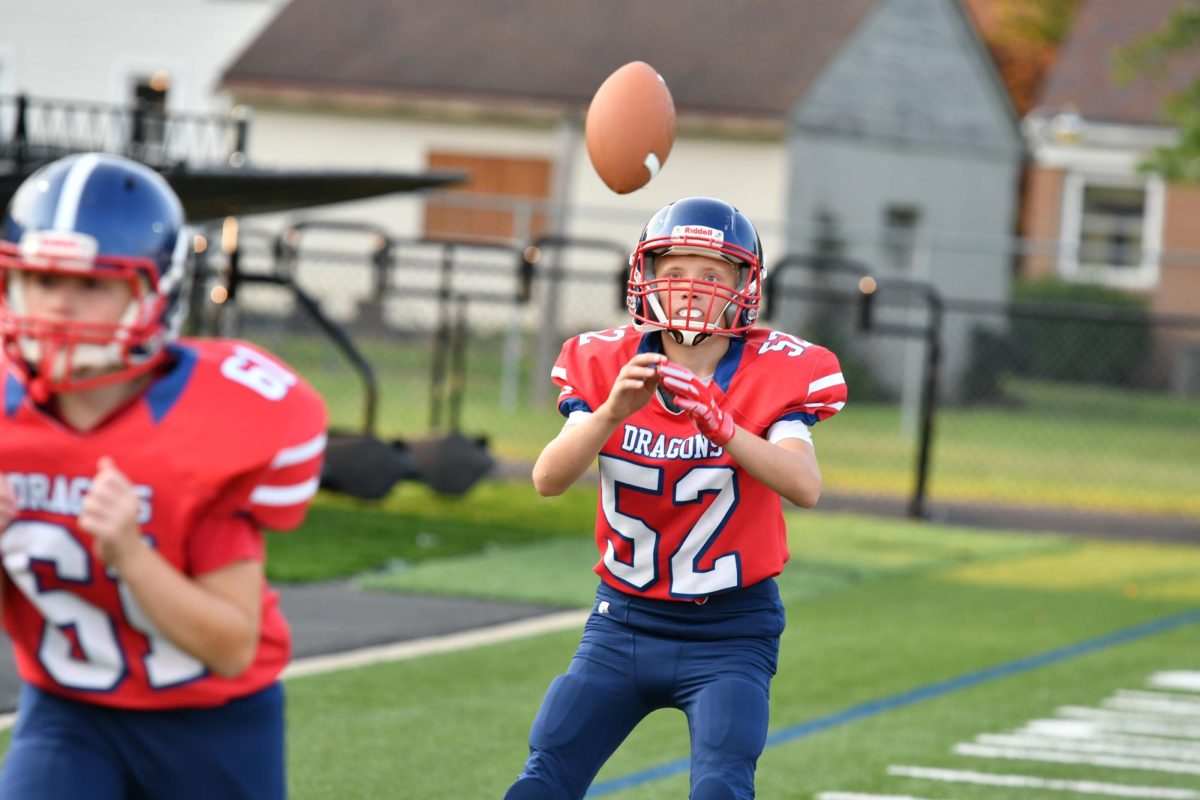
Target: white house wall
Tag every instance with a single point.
(76, 50)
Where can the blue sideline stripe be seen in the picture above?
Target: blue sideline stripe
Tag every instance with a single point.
(927, 692)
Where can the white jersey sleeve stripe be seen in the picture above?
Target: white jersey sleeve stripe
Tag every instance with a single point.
(298, 454)
(789, 429)
(285, 495)
(836, 379)
(838, 406)
(558, 372)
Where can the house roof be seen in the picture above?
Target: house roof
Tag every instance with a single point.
(752, 58)
(1084, 77)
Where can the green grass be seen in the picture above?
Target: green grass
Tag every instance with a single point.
(875, 609)
(342, 536)
(1065, 445)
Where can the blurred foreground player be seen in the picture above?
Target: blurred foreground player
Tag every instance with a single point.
(701, 423)
(137, 473)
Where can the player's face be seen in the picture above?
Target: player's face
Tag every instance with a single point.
(75, 298)
(698, 287)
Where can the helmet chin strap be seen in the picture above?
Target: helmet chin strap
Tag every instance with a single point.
(690, 338)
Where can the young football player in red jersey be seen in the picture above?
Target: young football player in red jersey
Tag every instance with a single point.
(138, 472)
(701, 424)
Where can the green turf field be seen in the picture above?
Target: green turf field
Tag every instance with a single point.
(876, 609)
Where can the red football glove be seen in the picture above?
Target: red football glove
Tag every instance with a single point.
(696, 398)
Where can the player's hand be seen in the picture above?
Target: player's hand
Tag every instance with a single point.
(696, 398)
(109, 514)
(634, 386)
(8, 503)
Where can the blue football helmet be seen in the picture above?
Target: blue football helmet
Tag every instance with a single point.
(701, 226)
(101, 216)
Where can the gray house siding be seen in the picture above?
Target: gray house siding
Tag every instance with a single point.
(908, 149)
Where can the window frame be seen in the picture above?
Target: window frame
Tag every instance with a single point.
(1143, 276)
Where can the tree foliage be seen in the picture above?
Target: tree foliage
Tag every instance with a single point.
(1023, 37)
(1153, 54)
(1038, 22)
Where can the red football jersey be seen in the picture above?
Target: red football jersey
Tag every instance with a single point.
(227, 442)
(678, 519)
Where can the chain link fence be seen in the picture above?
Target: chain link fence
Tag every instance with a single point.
(1027, 404)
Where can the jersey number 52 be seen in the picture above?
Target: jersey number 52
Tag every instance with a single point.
(641, 570)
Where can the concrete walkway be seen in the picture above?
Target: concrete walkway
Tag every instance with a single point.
(333, 617)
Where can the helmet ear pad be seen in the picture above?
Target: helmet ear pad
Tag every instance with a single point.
(702, 226)
(99, 216)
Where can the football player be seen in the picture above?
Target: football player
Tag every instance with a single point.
(139, 472)
(701, 425)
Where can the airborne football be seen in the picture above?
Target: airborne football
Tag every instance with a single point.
(630, 127)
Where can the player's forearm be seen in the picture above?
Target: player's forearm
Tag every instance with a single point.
(195, 619)
(564, 460)
(793, 473)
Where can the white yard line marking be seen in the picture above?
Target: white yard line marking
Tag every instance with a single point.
(415, 648)
(1164, 705)
(1125, 722)
(1177, 697)
(1031, 782)
(1090, 759)
(1146, 748)
(861, 796)
(1183, 680)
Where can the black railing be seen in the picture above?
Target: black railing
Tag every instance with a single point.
(35, 130)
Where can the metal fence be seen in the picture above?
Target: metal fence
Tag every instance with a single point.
(1075, 408)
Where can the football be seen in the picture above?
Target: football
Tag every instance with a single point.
(630, 127)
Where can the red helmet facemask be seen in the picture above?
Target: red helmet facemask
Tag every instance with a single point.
(65, 355)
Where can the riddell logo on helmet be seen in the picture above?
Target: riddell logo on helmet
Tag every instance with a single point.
(692, 232)
(66, 249)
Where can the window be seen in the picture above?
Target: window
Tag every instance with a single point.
(1111, 230)
(150, 109)
(501, 201)
(1110, 227)
(899, 237)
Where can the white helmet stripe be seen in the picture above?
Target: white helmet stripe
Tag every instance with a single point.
(71, 195)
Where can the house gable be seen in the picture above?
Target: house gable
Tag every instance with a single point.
(916, 71)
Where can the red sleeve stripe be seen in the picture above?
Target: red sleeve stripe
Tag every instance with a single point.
(285, 495)
(298, 454)
(835, 379)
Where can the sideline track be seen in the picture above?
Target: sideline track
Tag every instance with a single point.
(415, 648)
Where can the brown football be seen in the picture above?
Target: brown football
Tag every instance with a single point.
(630, 127)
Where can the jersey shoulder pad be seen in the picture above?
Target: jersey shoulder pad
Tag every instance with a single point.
(251, 415)
(588, 363)
(802, 380)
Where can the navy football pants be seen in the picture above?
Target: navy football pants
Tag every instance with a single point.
(66, 750)
(637, 656)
